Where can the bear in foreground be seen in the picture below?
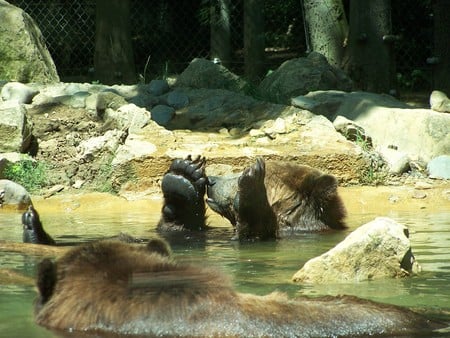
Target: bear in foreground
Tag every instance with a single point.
(110, 287)
(33, 230)
(268, 200)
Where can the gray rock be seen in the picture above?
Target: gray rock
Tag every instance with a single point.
(397, 161)
(177, 99)
(299, 76)
(144, 100)
(13, 194)
(162, 114)
(129, 117)
(202, 73)
(24, 56)
(76, 100)
(18, 92)
(158, 87)
(439, 102)
(108, 99)
(378, 249)
(439, 167)
(352, 131)
(9, 158)
(420, 133)
(15, 129)
(107, 143)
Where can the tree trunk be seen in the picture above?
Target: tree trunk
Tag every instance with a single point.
(254, 40)
(327, 28)
(441, 70)
(220, 31)
(370, 61)
(113, 59)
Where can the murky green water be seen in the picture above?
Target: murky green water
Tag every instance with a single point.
(257, 267)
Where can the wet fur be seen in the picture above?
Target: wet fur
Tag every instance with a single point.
(111, 286)
(33, 231)
(273, 199)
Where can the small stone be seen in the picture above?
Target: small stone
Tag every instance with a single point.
(419, 194)
(422, 185)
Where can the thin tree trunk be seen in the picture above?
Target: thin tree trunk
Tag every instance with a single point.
(371, 62)
(441, 71)
(220, 31)
(113, 59)
(327, 27)
(254, 40)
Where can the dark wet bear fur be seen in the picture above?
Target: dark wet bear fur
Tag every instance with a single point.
(33, 231)
(114, 287)
(268, 200)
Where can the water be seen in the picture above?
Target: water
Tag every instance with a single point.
(257, 268)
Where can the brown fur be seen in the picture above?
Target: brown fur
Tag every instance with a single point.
(303, 198)
(111, 286)
(274, 199)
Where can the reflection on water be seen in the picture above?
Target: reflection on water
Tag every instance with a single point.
(254, 267)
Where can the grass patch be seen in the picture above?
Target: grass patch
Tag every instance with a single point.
(30, 174)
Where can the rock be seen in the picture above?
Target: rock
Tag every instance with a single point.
(352, 131)
(158, 87)
(439, 167)
(14, 195)
(106, 99)
(422, 134)
(15, 129)
(129, 116)
(378, 249)
(24, 56)
(439, 102)
(162, 114)
(18, 92)
(177, 99)
(397, 161)
(299, 76)
(108, 142)
(9, 158)
(202, 73)
(332, 103)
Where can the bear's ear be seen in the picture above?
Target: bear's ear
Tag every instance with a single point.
(46, 279)
(325, 186)
(159, 246)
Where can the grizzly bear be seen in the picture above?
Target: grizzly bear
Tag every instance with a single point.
(268, 200)
(33, 231)
(111, 287)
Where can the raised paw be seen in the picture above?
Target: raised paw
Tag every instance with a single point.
(255, 217)
(183, 187)
(253, 178)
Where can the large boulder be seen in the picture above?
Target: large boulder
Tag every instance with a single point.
(421, 134)
(300, 76)
(13, 195)
(439, 102)
(24, 55)
(202, 73)
(378, 249)
(15, 129)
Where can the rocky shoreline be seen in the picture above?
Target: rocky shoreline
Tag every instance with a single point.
(121, 139)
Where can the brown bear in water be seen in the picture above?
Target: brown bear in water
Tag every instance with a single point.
(33, 231)
(268, 200)
(111, 286)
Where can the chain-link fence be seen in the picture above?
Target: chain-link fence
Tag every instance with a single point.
(168, 34)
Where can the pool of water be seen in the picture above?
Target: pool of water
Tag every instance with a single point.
(258, 268)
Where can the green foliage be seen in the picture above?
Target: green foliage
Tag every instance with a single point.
(415, 80)
(373, 176)
(103, 182)
(30, 174)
